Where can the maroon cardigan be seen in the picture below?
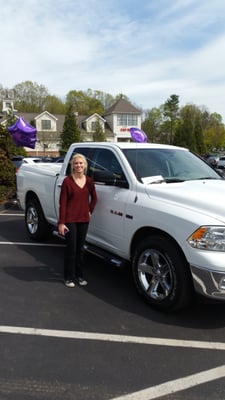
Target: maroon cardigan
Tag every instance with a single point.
(76, 203)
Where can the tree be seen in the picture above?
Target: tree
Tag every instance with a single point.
(83, 103)
(213, 131)
(6, 142)
(54, 105)
(121, 96)
(152, 124)
(185, 131)
(200, 145)
(30, 97)
(99, 135)
(8, 148)
(170, 111)
(189, 130)
(105, 99)
(7, 169)
(159, 123)
(71, 133)
(214, 138)
(7, 176)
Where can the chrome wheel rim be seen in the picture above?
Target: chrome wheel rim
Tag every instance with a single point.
(32, 220)
(155, 274)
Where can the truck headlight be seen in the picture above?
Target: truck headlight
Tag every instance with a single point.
(208, 238)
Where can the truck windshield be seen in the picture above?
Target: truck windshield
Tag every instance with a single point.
(173, 165)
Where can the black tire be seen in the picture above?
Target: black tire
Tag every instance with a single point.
(36, 224)
(162, 275)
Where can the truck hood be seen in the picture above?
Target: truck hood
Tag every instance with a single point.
(203, 196)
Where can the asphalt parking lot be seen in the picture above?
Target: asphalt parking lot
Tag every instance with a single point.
(100, 342)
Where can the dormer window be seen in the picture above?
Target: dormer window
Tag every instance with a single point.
(45, 124)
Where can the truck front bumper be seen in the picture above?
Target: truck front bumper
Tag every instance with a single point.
(209, 283)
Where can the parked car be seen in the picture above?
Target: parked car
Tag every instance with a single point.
(17, 161)
(212, 159)
(60, 160)
(31, 160)
(221, 162)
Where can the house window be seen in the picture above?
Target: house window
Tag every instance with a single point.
(126, 119)
(93, 126)
(45, 124)
(132, 119)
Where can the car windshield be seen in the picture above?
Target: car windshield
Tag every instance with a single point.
(170, 165)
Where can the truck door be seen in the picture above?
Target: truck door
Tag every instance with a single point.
(107, 226)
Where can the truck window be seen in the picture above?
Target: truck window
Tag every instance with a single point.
(81, 150)
(100, 160)
(105, 160)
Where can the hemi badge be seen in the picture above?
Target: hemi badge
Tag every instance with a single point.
(128, 216)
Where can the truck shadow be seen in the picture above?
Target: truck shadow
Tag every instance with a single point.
(109, 285)
(204, 313)
(43, 263)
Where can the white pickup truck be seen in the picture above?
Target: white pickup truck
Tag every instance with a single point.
(161, 210)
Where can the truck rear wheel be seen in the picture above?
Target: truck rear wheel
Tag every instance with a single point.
(36, 224)
(161, 274)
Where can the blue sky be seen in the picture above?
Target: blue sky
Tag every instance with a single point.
(146, 49)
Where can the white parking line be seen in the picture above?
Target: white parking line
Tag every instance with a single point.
(149, 393)
(176, 385)
(112, 338)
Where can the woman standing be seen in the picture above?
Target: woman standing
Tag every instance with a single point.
(77, 202)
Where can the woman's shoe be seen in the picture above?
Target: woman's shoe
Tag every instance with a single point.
(69, 283)
(82, 282)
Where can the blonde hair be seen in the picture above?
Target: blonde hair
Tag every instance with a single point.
(78, 155)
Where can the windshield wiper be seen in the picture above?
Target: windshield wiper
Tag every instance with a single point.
(158, 180)
(173, 180)
(206, 177)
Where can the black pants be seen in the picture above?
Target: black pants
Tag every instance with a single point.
(73, 258)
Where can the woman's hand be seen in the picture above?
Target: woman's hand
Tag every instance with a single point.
(62, 229)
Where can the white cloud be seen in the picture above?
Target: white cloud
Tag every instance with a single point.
(146, 50)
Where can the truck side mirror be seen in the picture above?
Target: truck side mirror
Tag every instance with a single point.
(109, 178)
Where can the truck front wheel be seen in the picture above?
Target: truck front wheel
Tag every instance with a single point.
(161, 274)
(36, 224)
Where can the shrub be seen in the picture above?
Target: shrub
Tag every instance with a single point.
(7, 177)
